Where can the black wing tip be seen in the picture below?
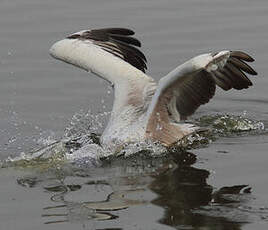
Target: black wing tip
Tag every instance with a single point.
(235, 74)
(242, 66)
(104, 34)
(242, 55)
(118, 37)
(117, 31)
(126, 39)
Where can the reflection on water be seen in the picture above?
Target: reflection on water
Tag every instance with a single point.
(181, 191)
(184, 192)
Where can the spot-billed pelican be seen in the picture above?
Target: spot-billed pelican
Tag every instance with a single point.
(144, 109)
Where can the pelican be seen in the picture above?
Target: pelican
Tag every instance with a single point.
(144, 109)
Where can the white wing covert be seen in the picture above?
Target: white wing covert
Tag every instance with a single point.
(111, 54)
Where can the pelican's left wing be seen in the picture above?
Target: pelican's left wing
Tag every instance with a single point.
(193, 83)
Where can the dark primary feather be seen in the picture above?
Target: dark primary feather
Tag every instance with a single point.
(233, 74)
(118, 41)
(121, 31)
(242, 55)
(242, 65)
(126, 39)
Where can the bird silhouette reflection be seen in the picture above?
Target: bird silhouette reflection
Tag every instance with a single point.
(181, 190)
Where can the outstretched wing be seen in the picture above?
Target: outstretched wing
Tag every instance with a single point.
(192, 84)
(110, 53)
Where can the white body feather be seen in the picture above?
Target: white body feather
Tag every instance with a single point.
(127, 121)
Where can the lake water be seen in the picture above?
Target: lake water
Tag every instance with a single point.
(43, 100)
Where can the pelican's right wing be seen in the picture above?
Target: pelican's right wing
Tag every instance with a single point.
(193, 83)
(111, 54)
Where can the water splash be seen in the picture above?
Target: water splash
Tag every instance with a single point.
(81, 143)
(84, 123)
(227, 124)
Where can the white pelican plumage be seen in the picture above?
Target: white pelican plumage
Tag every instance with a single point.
(143, 109)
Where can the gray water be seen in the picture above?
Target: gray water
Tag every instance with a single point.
(40, 96)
